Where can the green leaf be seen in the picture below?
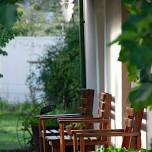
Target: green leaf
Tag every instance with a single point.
(8, 15)
(4, 53)
(141, 96)
(132, 72)
(9, 1)
(131, 5)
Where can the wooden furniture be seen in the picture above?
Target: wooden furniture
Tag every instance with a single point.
(131, 133)
(103, 119)
(51, 137)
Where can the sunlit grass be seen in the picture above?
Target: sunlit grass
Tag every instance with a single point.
(8, 131)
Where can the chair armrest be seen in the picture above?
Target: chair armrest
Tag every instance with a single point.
(83, 120)
(57, 116)
(99, 133)
(93, 130)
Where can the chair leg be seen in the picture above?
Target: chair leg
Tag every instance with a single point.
(89, 148)
(62, 142)
(41, 146)
(138, 142)
(75, 144)
(55, 146)
(40, 137)
(44, 145)
(82, 145)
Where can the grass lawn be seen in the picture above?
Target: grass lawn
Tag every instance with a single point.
(8, 132)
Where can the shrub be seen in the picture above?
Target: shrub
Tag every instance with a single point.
(59, 70)
(112, 149)
(3, 105)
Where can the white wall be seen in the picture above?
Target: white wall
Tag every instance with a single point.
(15, 67)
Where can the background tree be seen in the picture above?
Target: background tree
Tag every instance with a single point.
(40, 18)
(8, 17)
(59, 69)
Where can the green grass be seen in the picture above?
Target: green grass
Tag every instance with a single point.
(10, 126)
(8, 131)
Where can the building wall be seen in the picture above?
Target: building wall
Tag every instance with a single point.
(103, 22)
(15, 67)
(113, 68)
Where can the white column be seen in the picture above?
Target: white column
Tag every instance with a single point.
(90, 47)
(100, 42)
(113, 68)
(149, 129)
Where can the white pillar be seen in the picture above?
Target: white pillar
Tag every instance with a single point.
(94, 41)
(149, 129)
(90, 47)
(113, 68)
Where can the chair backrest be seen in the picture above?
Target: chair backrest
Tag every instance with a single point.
(104, 105)
(133, 124)
(46, 109)
(86, 102)
(104, 110)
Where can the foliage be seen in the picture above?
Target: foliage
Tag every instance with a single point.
(44, 5)
(8, 17)
(112, 149)
(5, 36)
(38, 22)
(136, 50)
(76, 126)
(6, 107)
(59, 70)
(12, 136)
(40, 18)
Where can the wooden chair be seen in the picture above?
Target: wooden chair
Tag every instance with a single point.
(51, 137)
(131, 133)
(104, 120)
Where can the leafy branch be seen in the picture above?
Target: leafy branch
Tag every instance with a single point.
(8, 17)
(136, 50)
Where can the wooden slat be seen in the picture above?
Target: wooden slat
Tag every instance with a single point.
(85, 120)
(46, 132)
(109, 134)
(43, 117)
(54, 131)
(92, 138)
(49, 138)
(67, 137)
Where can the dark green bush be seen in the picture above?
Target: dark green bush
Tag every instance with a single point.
(59, 70)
